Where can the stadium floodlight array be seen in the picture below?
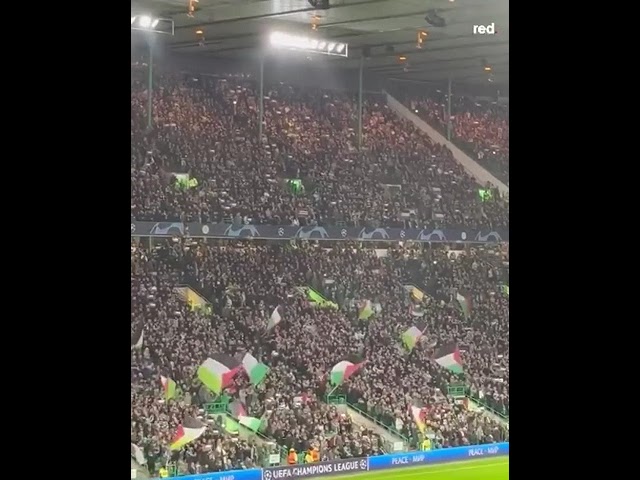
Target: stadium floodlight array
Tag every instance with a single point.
(147, 23)
(308, 44)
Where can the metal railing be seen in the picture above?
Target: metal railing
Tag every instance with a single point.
(460, 390)
(377, 422)
(336, 399)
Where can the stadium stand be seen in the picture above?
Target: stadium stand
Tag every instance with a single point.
(203, 163)
(480, 127)
(306, 171)
(246, 282)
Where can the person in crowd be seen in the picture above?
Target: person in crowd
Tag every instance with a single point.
(478, 127)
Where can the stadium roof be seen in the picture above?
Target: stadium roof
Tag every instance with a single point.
(233, 29)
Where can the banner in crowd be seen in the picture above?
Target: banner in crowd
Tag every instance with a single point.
(354, 465)
(274, 232)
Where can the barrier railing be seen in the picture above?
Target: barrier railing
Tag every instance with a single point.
(460, 390)
(337, 399)
(216, 407)
(503, 415)
(392, 431)
(457, 390)
(354, 465)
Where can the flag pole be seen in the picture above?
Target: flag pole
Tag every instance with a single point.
(331, 392)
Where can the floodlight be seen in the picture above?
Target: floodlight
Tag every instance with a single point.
(144, 21)
(307, 44)
(148, 23)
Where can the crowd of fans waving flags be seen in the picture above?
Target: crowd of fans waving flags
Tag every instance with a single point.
(218, 371)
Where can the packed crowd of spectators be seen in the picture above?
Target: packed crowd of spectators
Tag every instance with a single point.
(245, 282)
(207, 127)
(478, 127)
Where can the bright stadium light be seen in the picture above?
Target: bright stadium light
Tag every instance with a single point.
(147, 23)
(144, 22)
(308, 44)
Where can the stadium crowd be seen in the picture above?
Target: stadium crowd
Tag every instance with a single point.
(246, 282)
(206, 127)
(478, 127)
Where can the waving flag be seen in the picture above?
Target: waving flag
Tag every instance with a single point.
(411, 337)
(465, 304)
(169, 387)
(341, 372)
(189, 431)
(218, 372)
(257, 371)
(230, 425)
(448, 357)
(419, 414)
(252, 423)
(275, 319)
(237, 409)
(137, 337)
(138, 454)
(365, 310)
(417, 294)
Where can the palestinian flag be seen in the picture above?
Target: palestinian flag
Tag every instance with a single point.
(190, 430)
(252, 423)
(218, 372)
(341, 372)
(417, 294)
(365, 310)
(449, 358)
(419, 414)
(302, 399)
(411, 337)
(237, 409)
(230, 425)
(137, 337)
(137, 454)
(256, 370)
(275, 319)
(169, 387)
(465, 304)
